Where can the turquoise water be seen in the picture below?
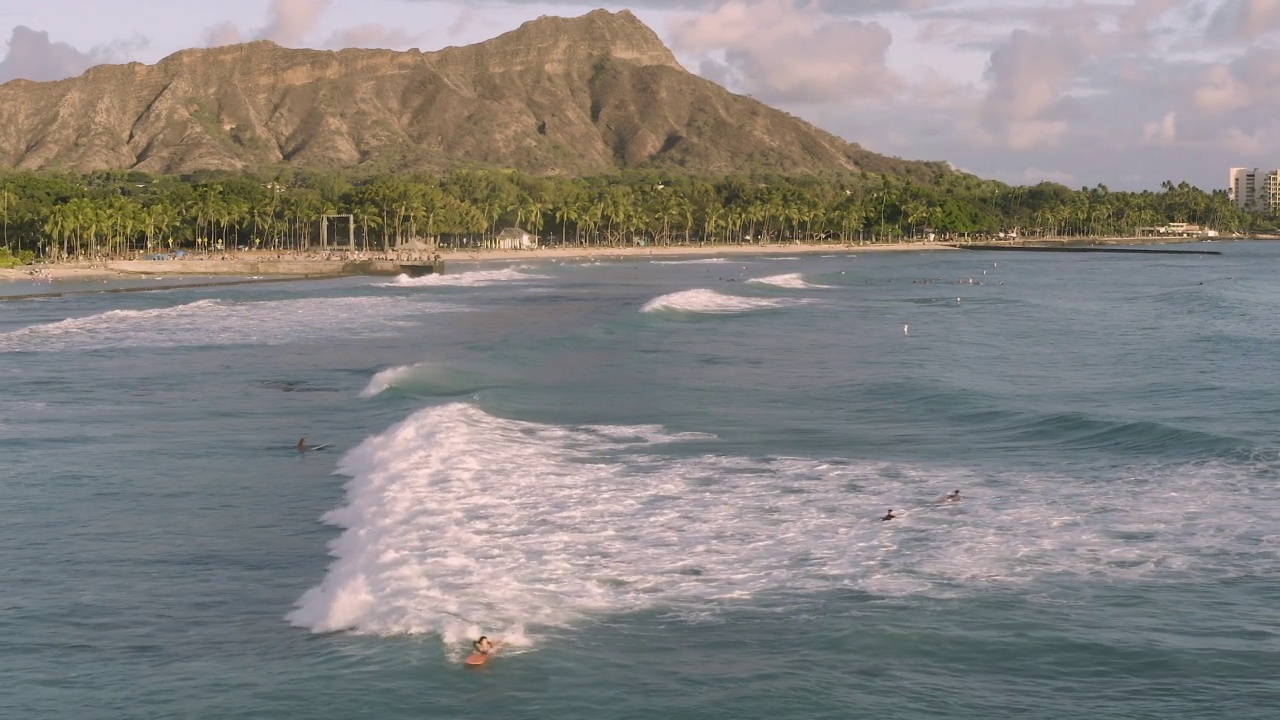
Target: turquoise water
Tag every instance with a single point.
(661, 487)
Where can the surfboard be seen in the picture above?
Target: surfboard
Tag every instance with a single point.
(316, 447)
(476, 659)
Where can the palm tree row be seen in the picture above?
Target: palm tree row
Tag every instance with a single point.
(116, 214)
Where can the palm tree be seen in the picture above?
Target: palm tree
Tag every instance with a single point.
(7, 201)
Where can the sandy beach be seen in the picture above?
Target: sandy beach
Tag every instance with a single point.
(247, 263)
(336, 263)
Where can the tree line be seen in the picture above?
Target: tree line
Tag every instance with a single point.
(58, 216)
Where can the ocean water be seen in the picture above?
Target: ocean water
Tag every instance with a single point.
(660, 483)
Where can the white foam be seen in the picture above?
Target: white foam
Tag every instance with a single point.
(700, 261)
(791, 281)
(702, 300)
(474, 278)
(456, 522)
(428, 377)
(221, 322)
(389, 378)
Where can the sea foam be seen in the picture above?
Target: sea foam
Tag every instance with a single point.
(790, 281)
(699, 261)
(474, 278)
(706, 301)
(457, 522)
(222, 322)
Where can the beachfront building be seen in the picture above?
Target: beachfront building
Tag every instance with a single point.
(513, 239)
(1254, 190)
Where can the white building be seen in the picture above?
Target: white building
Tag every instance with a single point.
(1254, 189)
(514, 239)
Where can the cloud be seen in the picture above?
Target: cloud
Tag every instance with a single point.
(293, 23)
(371, 35)
(32, 56)
(1163, 132)
(1220, 91)
(292, 20)
(1245, 19)
(785, 50)
(1028, 77)
(224, 33)
(289, 22)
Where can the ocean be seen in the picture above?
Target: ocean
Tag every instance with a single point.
(660, 483)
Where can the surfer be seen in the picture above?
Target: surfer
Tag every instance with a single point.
(952, 496)
(302, 445)
(888, 516)
(482, 646)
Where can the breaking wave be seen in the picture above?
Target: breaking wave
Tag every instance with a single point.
(457, 523)
(704, 301)
(700, 261)
(223, 322)
(424, 379)
(790, 281)
(474, 278)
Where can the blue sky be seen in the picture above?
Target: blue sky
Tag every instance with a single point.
(1126, 93)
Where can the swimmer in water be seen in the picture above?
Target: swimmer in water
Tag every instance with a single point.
(952, 496)
(888, 516)
(302, 445)
(483, 645)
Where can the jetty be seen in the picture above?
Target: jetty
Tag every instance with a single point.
(238, 272)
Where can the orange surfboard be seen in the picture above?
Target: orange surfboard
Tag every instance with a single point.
(476, 659)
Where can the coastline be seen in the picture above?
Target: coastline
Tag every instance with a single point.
(270, 264)
(264, 264)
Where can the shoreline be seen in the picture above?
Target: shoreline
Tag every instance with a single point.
(263, 264)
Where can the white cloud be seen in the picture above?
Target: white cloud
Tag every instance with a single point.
(31, 55)
(293, 23)
(785, 50)
(1163, 132)
(1246, 19)
(371, 35)
(1220, 91)
(289, 23)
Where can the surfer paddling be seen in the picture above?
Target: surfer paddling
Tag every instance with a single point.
(953, 496)
(889, 516)
(302, 445)
(482, 650)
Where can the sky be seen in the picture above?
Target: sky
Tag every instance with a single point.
(1124, 93)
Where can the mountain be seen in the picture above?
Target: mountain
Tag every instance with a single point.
(556, 96)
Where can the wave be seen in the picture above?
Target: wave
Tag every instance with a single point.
(705, 301)
(222, 322)
(457, 522)
(791, 281)
(474, 278)
(424, 378)
(700, 261)
(1079, 431)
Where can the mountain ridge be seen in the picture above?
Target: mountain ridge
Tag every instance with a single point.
(587, 95)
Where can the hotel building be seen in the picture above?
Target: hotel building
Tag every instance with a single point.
(1254, 189)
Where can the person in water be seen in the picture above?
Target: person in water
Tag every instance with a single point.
(952, 496)
(302, 445)
(889, 516)
(482, 646)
